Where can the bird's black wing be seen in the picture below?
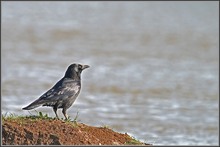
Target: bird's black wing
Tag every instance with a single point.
(62, 90)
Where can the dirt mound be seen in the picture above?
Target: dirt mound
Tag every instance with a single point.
(27, 131)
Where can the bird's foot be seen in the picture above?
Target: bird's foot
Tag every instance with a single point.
(67, 119)
(56, 118)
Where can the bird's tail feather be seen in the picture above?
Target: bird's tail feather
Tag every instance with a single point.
(33, 105)
(30, 107)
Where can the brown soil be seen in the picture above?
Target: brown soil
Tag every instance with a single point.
(57, 132)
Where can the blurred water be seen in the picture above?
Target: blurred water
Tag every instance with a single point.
(154, 65)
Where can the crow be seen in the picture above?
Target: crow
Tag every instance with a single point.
(63, 93)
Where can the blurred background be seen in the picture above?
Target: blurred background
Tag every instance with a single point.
(154, 66)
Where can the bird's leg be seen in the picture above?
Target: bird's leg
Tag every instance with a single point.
(55, 111)
(64, 113)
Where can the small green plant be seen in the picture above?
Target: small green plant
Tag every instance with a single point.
(106, 127)
(76, 117)
(12, 116)
(66, 120)
(9, 117)
(134, 141)
(74, 121)
(41, 116)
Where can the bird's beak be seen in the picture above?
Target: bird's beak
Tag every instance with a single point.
(85, 66)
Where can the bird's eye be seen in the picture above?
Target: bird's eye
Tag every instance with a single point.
(80, 66)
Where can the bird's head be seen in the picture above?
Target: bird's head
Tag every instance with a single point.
(74, 70)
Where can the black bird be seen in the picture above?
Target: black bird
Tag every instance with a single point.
(63, 93)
